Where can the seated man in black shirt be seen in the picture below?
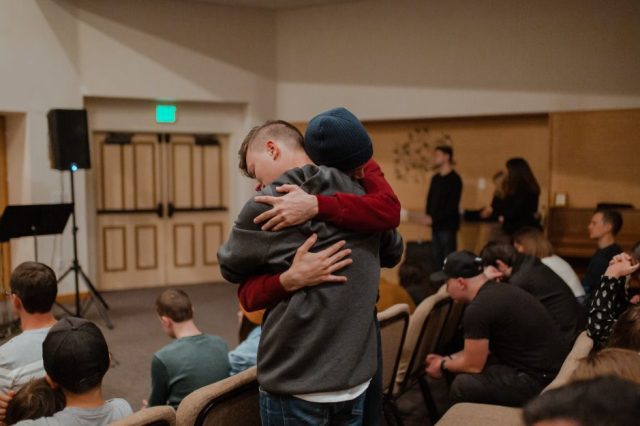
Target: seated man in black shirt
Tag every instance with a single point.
(512, 348)
(604, 226)
(537, 279)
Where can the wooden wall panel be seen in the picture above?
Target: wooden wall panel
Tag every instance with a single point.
(184, 245)
(595, 157)
(182, 172)
(212, 176)
(482, 145)
(112, 177)
(114, 251)
(146, 246)
(144, 179)
(212, 236)
(129, 176)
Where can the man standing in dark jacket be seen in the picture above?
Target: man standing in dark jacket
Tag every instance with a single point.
(443, 205)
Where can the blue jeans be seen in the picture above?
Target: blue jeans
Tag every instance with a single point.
(286, 410)
(443, 243)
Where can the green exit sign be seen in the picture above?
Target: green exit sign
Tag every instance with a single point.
(166, 113)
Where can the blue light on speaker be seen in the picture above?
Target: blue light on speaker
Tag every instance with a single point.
(74, 167)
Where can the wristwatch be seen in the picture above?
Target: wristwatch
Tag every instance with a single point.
(443, 367)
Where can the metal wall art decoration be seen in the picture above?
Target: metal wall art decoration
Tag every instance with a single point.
(413, 157)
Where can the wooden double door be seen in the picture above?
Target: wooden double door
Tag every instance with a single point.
(161, 208)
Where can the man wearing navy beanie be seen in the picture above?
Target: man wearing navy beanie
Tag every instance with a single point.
(339, 341)
(336, 138)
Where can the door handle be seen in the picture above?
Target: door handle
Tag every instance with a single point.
(170, 209)
(160, 210)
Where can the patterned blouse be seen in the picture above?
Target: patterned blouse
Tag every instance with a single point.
(609, 301)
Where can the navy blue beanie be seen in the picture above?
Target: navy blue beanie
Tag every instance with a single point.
(336, 138)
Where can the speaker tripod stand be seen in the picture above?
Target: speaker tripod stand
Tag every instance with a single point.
(94, 295)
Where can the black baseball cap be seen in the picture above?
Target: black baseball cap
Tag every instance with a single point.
(75, 354)
(459, 264)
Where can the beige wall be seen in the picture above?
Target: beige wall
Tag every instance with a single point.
(38, 71)
(415, 58)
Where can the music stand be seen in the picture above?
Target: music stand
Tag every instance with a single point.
(32, 221)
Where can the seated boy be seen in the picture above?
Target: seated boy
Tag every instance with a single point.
(192, 361)
(33, 290)
(76, 358)
(34, 400)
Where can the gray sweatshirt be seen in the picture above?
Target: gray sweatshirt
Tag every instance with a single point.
(322, 338)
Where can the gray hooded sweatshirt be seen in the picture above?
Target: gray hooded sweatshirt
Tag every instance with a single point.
(322, 338)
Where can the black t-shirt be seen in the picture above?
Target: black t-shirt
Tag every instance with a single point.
(597, 265)
(541, 282)
(521, 332)
(443, 201)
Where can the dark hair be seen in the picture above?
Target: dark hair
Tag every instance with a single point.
(603, 401)
(175, 304)
(495, 251)
(533, 241)
(446, 149)
(626, 331)
(34, 400)
(36, 286)
(520, 177)
(271, 129)
(612, 217)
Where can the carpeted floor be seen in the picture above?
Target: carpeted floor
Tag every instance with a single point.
(137, 335)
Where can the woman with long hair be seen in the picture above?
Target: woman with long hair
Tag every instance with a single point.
(520, 206)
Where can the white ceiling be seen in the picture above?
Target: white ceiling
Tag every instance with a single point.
(276, 4)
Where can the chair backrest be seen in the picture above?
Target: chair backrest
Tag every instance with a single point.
(162, 415)
(581, 348)
(450, 328)
(423, 334)
(393, 329)
(466, 413)
(232, 401)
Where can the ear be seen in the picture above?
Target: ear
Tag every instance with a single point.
(16, 302)
(50, 381)
(502, 266)
(273, 149)
(166, 321)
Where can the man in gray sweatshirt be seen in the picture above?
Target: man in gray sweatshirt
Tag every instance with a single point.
(318, 349)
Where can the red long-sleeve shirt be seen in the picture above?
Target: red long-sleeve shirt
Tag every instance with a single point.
(376, 211)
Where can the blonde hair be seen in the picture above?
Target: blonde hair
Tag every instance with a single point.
(622, 363)
(533, 242)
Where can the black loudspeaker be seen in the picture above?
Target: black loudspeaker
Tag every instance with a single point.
(68, 139)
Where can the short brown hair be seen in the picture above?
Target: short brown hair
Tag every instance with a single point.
(271, 129)
(36, 286)
(533, 242)
(34, 400)
(626, 331)
(622, 363)
(175, 304)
